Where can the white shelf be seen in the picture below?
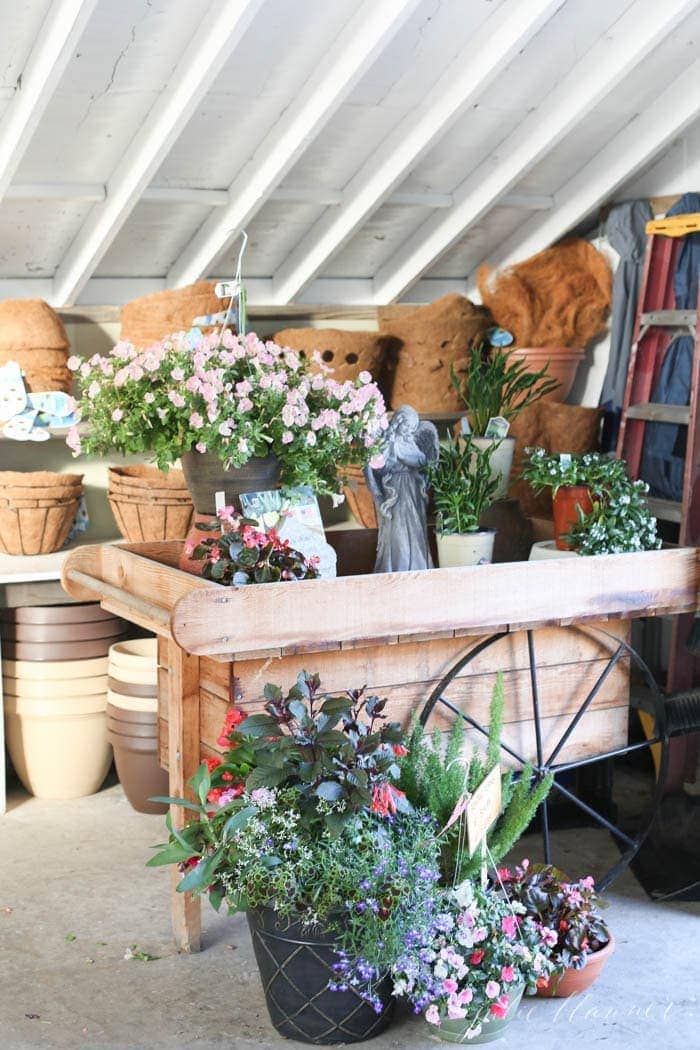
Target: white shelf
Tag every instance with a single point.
(37, 568)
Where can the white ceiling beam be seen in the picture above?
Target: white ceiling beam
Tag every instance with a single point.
(352, 53)
(633, 148)
(221, 30)
(463, 83)
(627, 43)
(56, 191)
(53, 50)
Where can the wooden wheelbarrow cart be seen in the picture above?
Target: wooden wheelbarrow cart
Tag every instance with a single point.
(429, 641)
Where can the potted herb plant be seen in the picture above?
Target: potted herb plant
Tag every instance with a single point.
(464, 486)
(302, 825)
(597, 508)
(496, 385)
(241, 413)
(468, 971)
(568, 917)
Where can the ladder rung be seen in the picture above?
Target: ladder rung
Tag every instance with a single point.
(659, 413)
(669, 318)
(666, 509)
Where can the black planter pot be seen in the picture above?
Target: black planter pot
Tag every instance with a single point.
(295, 966)
(206, 475)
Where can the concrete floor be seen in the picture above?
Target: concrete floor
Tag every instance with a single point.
(74, 895)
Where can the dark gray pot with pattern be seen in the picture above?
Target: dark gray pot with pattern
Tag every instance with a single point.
(206, 475)
(295, 966)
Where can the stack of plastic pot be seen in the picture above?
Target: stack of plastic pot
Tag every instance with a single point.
(54, 665)
(132, 721)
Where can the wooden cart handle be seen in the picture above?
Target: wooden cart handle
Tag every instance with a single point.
(123, 598)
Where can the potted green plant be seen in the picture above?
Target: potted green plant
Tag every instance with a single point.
(568, 917)
(597, 508)
(302, 826)
(467, 971)
(498, 385)
(464, 486)
(241, 413)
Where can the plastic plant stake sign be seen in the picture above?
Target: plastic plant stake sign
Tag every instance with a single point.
(483, 808)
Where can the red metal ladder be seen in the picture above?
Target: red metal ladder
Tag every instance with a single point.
(658, 322)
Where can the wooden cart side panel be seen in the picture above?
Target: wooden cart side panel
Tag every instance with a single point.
(211, 621)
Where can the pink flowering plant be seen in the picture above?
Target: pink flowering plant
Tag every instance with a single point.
(472, 961)
(567, 913)
(235, 397)
(243, 553)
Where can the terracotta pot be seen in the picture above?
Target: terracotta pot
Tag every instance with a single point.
(62, 632)
(467, 548)
(147, 521)
(58, 689)
(574, 982)
(565, 506)
(59, 748)
(513, 530)
(57, 651)
(139, 773)
(133, 689)
(54, 670)
(35, 530)
(78, 613)
(206, 475)
(492, 1028)
(501, 461)
(563, 363)
(360, 499)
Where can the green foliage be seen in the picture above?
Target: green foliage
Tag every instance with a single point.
(244, 554)
(463, 486)
(436, 777)
(496, 384)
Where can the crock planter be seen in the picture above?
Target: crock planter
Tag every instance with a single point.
(492, 1028)
(574, 982)
(467, 548)
(295, 966)
(563, 362)
(59, 747)
(206, 475)
(501, 461)
(565, 506)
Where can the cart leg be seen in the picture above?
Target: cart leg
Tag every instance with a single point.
(183, 757)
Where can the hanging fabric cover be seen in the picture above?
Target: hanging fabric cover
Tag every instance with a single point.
(625, 230)
(665, 443)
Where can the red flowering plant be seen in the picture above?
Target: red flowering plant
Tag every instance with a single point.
(567, 913)
(241, 553)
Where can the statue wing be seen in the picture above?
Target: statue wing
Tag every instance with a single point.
(428, 441)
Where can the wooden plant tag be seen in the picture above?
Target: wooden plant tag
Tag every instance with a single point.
(483, 808)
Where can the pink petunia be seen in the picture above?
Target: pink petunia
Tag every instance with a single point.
(492, 989)
(500, 1007)
(507, 974)
(449, 985)
(432, 1015)
(509, 925)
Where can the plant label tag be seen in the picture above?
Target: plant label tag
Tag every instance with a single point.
(565, 459)
(219, 501)
(464, 425)
(483, 808)
(497, 427)
(457, 811)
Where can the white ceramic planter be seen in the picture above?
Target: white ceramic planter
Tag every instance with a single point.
(60, 689)
(59, 748)
(546, 550)
(501, 461)
(55, 670)
(466, 548)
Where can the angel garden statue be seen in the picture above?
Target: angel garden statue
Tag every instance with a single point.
(399, 489)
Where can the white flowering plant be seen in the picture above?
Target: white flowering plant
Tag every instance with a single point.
(476, 955)
(233, 396)
(620, 520)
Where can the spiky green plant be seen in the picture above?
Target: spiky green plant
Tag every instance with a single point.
(435, 776)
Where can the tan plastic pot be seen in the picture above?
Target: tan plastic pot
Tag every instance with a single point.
(54, 670)
(132, 717)
(59, 689)
(134, 654)
(468, 548)
(78, 613)
(501, 461)
(132, 703)
(59, 750)
(126, 676)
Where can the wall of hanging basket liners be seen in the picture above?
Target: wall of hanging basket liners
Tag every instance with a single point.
(345, 352)
(150, 318)
(59, 747)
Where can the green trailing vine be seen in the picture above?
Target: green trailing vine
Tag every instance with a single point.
(435, 776)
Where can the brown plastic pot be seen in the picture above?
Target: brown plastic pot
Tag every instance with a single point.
(565, 505)
(133, 730)
(78, 613)
(62, 632)
(57, 651)
(206, 475)
(136, 743)
(139, 773)
(121, 688)
(574, 982)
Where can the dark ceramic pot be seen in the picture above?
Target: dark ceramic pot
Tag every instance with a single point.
(295, 966)
(206, 475)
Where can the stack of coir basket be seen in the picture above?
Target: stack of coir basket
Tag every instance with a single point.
(31, 333)
(150, 504)
(37, 509)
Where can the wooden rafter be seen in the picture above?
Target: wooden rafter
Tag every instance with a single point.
(366, 34)
(630, 150)
(590, 80)
(465, 81)
(220, 32)
(55, 44)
